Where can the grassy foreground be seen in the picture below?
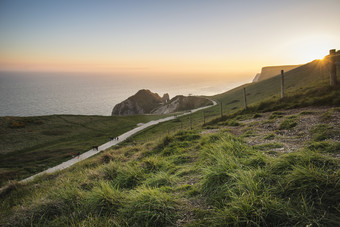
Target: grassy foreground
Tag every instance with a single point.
(31, 144)
(187, 178)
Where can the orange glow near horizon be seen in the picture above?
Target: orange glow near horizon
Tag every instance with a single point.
(199, 68)
(234, 39)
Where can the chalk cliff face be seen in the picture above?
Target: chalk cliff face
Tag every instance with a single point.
(271, 71)
(146, 102)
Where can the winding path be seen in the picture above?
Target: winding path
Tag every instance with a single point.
(109, 144)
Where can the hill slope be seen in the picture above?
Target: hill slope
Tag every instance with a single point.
(29, 145)
(199, 178)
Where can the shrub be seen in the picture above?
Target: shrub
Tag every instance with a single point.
(16, 124)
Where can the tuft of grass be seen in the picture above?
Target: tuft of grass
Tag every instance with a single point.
(275, 115)
(267, 146)
(322, 132)
(287, 124)
(105, 199)
(325, 147)
(123, 175)
(270, 136)
(231, 122)
(249, 133)
(153, 164)
(257, 115)
(150, 207)
(160, 179)
(306, 113)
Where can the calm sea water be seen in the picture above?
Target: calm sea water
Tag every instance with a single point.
(36, 94)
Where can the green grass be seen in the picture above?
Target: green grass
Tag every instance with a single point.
(325, 147)
(213, 179)
(288, 123)
(42, 142)
(253, 189)
(270, 136)
(322, 132)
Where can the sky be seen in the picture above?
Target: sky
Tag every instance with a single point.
(171, 38)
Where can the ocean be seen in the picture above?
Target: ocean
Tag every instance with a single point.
(37, 94)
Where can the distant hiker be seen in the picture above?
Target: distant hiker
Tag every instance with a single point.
(78, 154)
(111, 138)
(72, 154)
(117, 138)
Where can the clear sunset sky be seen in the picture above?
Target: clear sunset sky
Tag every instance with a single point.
(165, 37)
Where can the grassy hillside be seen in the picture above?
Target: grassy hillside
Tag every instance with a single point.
(31, 144)
(192, 177)
(275, 164)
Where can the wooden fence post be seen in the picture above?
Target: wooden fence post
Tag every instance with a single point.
(221, 112)
(190, 123)
(282, 84)
(333, 79)
(203, 117)
(245, 98)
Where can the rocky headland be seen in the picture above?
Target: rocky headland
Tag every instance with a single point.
(147, 102)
